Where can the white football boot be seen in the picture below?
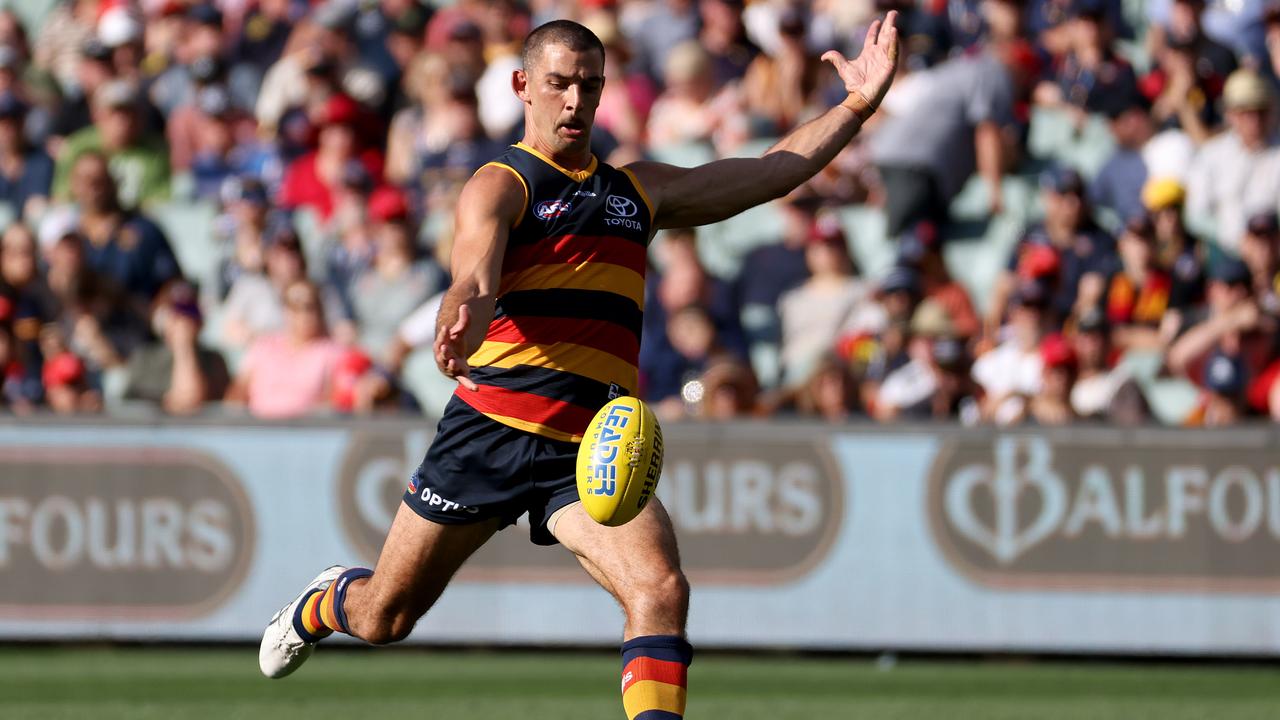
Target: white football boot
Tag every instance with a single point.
(283, 650)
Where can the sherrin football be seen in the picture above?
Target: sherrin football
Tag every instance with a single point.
(619, 461)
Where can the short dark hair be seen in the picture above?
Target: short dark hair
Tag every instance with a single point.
(558, 32)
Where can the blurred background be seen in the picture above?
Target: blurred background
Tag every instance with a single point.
(1002, 377)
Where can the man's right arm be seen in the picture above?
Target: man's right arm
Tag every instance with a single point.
(491, 203)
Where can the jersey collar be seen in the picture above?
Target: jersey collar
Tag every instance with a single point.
(574, 175)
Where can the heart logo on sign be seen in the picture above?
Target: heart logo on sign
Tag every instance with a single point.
(1008, 537)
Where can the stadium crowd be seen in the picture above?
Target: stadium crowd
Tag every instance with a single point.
(247, 203)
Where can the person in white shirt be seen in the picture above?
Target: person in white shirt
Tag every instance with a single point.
(1237, 173)
(1012, 371)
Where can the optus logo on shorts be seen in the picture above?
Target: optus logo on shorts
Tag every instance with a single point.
(1025, 511)
(755, 506)
(92, 533)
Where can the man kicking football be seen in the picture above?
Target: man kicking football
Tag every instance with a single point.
(541, 327)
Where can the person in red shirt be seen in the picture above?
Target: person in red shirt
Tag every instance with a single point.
(313, 180)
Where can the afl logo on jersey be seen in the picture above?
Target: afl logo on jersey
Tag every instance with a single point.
(550, 209)
(620, 206)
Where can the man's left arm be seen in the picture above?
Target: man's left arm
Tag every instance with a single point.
(685, 197)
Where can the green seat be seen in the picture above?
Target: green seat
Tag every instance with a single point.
(189, 227)
(425, 382)
(1171, 400)
(1055, 138)
(866, 228)
(684, 154)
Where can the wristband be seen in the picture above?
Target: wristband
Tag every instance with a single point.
(861, 106)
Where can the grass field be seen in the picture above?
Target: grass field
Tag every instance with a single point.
(223, 683)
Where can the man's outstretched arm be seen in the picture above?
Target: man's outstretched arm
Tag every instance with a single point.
(684, 197)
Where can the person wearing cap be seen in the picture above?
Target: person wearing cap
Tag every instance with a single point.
(1051, 405)
(397, 282)
(1237, 173)
(313, 180)
(200, 38)
(828, 304)
(928, 385)
(176, 373)
(26, 173)
(75, 112)
(1232, 323)
(242, 227)
(138, 159)
(66, 387)
(1086, 253)
(224, 144)
(1224, 379)
(1260, 251)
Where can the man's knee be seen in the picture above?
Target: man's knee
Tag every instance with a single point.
(662, 598)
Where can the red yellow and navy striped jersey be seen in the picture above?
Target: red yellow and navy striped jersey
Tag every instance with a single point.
(565, 336)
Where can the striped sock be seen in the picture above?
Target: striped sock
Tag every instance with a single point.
(321, 613)
(654, 676)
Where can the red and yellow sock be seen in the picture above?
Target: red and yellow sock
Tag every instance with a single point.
(654, 677)
(321, 613)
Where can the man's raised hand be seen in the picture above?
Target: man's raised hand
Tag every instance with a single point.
(871, 73)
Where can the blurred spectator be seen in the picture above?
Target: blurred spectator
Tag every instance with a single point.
(200, 43)
(1224, 379)
(290, 374)
(223, 140)
(833, 301)
(830, 392)
(726, 391)
(504, 23)
(1118, 185)
(921, 251)
(674, 384)
(397, 283)
(92, 70)
(1051, 405)
(122, 245)
(255, 302)
(26, 173)
(65, 31)
(725, 40)
(138, 161)
(1231, 325)
(1091, 71)
(771, 270)
(176, 373)
(629, 94)
(466, 146)
(692, 108)
(1096, 383)
(677, 344)
(1085, 254)
(26, 306)
(1260, 251)
(1139, 292)
(931, 383)
(926, 152)
(1013, 371)
(1212, 61)
(312, 180)
(240, 229)
(1238, 172)
(666, 25)
(1182, 97)
(66, 387)
(778, 87)
(423, 127)
(1178, 252)
(184, 123)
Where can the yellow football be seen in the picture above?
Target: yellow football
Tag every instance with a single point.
(619, 461)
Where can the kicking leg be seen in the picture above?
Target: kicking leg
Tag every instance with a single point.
(418, 559)
(638, 563)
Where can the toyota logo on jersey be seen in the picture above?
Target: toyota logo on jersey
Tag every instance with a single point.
(548, 209)
(620, 206)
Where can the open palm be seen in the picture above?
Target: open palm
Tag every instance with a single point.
(871, 73)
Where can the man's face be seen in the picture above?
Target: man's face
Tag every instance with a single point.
(1063, 209)
(1249, 124)
(561, 92)
(118, 127)
(91, 185)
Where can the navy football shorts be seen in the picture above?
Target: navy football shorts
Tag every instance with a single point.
(477, 469)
